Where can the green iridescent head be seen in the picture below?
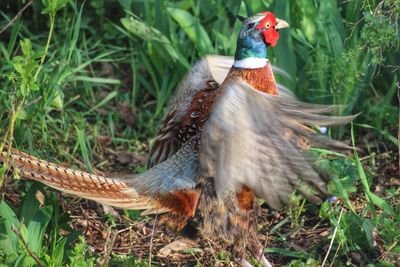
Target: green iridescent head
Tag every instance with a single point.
(258, 32)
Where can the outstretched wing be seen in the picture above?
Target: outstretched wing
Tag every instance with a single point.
(257, 140)
(189, 109)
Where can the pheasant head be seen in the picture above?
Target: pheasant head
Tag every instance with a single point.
(257, 33)
(251, 63)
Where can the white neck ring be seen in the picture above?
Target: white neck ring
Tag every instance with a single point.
(250, 63)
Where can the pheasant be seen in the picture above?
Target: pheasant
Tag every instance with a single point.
(231, 135)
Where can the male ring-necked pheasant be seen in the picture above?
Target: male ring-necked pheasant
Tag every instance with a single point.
(231, 135)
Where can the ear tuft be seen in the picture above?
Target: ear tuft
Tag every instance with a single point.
(241, 18)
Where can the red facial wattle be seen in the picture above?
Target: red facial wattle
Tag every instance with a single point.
(267, 27)
(271, 36)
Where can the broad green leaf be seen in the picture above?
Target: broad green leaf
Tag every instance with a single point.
(26, 46)
(8, 219)
(30, 204)
(382, 204)
(325, 210)
(284, 53)
(193, 29)
(368, 226)
(58, 254)
(58, 101)
(342, 191)
(22, 260)
(22, 114)
(52, 6)
(37, 228)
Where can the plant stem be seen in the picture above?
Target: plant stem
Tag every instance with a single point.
(46, 50)
(30, 252)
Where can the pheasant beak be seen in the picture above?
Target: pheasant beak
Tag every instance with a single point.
(280, 24)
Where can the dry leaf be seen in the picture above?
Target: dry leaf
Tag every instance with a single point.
(175, 249)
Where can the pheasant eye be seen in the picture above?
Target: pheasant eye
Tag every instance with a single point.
(267, 25)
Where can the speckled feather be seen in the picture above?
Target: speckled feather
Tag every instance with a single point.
(184, 111)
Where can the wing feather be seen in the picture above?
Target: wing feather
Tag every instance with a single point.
(207, 71)
(196, 80)
(252, 139)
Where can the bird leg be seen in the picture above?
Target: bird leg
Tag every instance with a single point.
(257, 250)
(239, 250)
(243, 263)
(245, 236)
(240, 227)
(262, 259)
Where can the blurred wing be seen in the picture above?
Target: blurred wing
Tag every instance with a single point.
(255, 139)
(204, 78)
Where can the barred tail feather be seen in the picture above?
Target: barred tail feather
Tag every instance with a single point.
(109, 191)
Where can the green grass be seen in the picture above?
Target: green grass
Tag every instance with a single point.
(72, 73)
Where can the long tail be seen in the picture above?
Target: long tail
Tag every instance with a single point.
(109, 191)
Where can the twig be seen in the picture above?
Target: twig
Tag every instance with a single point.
(316, 226)
(151, 238)
(30, 252)
(211, 249)
(334, 257)
(108, 246)
(333, 239)
(16, 16)
(197, 259)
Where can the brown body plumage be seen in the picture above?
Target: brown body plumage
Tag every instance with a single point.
(261, 79)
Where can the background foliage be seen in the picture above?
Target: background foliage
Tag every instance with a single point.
(75, 75)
